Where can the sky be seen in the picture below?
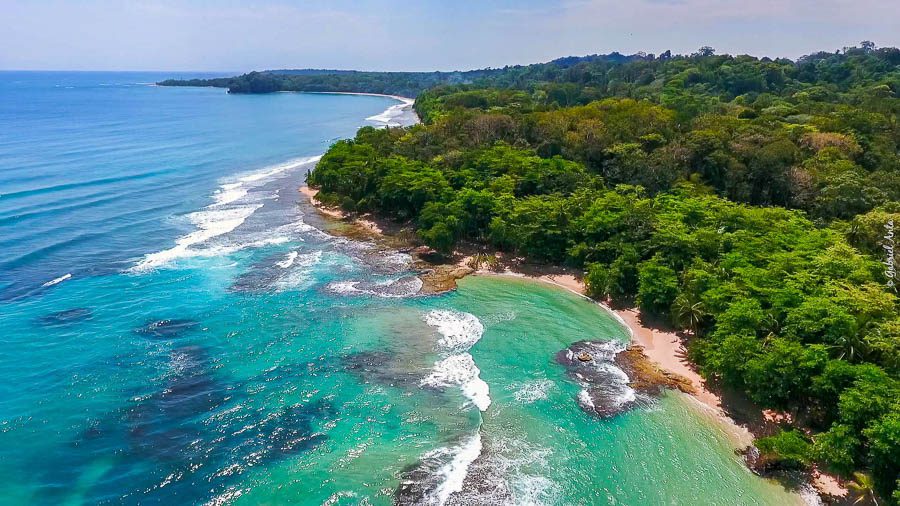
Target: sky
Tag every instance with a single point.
(228, 35)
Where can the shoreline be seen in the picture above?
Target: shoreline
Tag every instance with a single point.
(396, 116)
(662, 348)
(405, 100)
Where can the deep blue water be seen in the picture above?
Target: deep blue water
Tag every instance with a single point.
(94, 166)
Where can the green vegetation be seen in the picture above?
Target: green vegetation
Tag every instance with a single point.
(788, 449)
(743, 199)
(410, 84)
(407, 84)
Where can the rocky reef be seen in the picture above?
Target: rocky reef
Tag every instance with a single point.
(616, 377)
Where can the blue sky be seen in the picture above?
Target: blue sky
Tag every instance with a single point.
(229, 35)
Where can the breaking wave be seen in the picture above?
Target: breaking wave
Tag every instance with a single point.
(391, 288)
(56, 281)
(233, 203)
(454, 472)
(392, 116)
(460, 370)
(459, 331)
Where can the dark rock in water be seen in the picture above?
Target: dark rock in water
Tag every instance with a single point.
(605, 387)
(289, 432)
(197, 433)
(162, 425)
(379, 367)
(420, 481)
(486, 480)
(167, 329)
(65, 317)
(615, 377)
(260, 276)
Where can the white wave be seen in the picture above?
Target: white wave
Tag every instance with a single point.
(459, 331)
(522, 464)
(344, 287)
(299, 269)
(460, 370)
(604, 351)
(533, 391)
(210, 223)
(274, 170)
(532, 490)
(614, 390)
(810, 495)
(232, 204)
(455, 471)
(57, 281)
(288, 260)
(389, 116)
(391, 288)
(229, 193)
(584, 398)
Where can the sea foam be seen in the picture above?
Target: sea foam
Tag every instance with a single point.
(288, 260)
(56, 281)
(233, 202)
(454, 472)
(460, 370)
(392, 288)
(533, 391)
(459, 332)
(390, 115)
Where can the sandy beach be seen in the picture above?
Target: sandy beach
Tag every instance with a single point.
(406, 100)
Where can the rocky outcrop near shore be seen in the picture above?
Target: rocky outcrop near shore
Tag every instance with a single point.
(442, 278)
(616, 378)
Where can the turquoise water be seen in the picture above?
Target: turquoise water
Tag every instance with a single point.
(177, 329)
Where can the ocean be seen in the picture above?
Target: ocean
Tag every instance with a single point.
(177, 326)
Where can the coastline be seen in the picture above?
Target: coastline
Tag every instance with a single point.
(666, 350)
(662, 348)
(397, 115)
(406, 100)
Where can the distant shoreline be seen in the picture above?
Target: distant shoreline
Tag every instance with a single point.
(406, 100)
(404, 107)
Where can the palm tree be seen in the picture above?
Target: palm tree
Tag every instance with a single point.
(863, 486)
(688, 314)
